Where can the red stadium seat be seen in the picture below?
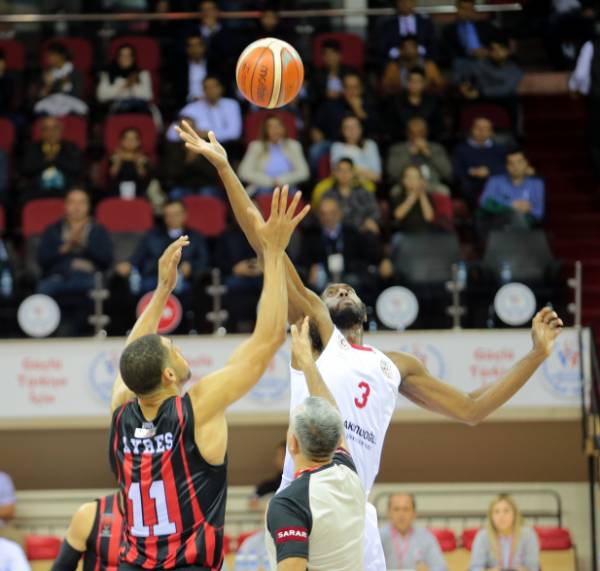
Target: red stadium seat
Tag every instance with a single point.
(253, 123)
(468, 537)
(38, 214)
(15, 54)
(116, 124)
(2, 220)
(7, 135)
(495, 113)
(75, 130)
(39, 547)
(445, 537)
(80, 50)
(118, 215)
(206, 215)
(553, 538)
(245, 535)
(352, 48)
(264, 202)
(324, 167)
(444, 210)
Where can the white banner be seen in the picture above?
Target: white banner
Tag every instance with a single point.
(73, 378)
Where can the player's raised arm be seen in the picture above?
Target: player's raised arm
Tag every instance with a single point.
(148, 322)
(302, 301)
(430, 393)
(75, 541)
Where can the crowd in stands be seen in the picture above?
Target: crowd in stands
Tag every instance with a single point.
(414, 131)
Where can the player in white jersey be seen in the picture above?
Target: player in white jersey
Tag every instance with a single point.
(365, 382)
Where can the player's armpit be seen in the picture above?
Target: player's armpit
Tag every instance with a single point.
(81, 526)
(293, 564)
(120, 394)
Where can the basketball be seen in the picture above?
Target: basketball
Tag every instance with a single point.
(269, 73)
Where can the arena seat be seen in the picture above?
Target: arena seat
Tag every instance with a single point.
(254, 120)
(495, 113)
(467, 537)
(116, 124)
(7, 135)
(553, 538)
(324, 166)
(352, 48)
(80, 50)
(39, 547)
(206, 215)
(445, 537)
(15, 54)
(75, 130)
(444, 210)
(37, 214)
(2, 220)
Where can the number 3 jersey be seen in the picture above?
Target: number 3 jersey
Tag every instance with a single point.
(174, 501)
(364, 383)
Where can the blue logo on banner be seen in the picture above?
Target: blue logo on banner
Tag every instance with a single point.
(103, 372)
(275, 383)
(562, 370)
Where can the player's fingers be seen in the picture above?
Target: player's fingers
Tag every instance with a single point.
(293, 205)
(301, 215)
(283, 200)
(305, 326)
(275, 203)
(294, 330)
(187, 127)
(551, 315)
(212, 138)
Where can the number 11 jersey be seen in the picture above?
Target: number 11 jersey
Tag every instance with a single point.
(174, 501)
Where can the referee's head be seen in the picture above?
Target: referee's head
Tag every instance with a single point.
(315, 430)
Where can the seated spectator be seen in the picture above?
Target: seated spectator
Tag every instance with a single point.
(334, 251)
(12, 557)
(326, 83)
(216, 113)
(406, 23)
(62, 85)
(3, 177)
(194, 258)
(359, 206)
(512, 200)
(414, 102)
(188, 74)
(124, 87)
(7, 87)
(273, 160)
(476, 159)
(270, 486)
(406, 545)
(254, 550)
(431, 158)
(70, 252)
(405, 58)
(51, 165)
(505, 542)
(412, 210)
(129, 168)
(363, 152)
(8, 504)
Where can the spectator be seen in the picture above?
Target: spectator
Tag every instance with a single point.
(406, 545)
(515, 199)
(363, 152)
(7, 86)
(467, 37)
(431, 158)
(359, 206)
(505, 542)
(407, 57)
(194, 258)
(188, 74)
(70, 252)
(326, 82)
(62, 85)
(335, 251)
(254, 549)
(414, 102)
(12, 557)
(273, 160)
(270, 486)
(3, 177)
(412, 209)
(476, 159)
(216, 113)
(129, 168)
(8, 504)
(406, 23)
(124, 87)
(51, 165)
(269, 26)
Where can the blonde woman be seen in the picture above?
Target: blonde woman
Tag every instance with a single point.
(505, 543)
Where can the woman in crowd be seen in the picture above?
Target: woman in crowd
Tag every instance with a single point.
(412, 208)
(129, 167)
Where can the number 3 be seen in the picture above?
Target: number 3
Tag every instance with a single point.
(366, 391)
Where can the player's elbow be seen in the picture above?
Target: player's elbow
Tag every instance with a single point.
(471, 414)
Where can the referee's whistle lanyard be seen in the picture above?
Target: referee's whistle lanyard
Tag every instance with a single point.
(401, 545)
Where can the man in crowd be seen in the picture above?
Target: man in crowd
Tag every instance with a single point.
(189, 73)
(326, 82)
(406, 545)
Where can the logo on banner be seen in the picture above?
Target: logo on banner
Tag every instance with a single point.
(515, 303)
(103, 372)
(171, 315)
(562, 371)
(275, 382)
(397, 307)
(430, 356)
(38, 315)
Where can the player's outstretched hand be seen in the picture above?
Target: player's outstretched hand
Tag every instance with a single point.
(301, 346)
(546, 328)
(276, 232)
(211, 149)
(168, 262)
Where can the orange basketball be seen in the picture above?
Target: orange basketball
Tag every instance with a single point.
(269, 73)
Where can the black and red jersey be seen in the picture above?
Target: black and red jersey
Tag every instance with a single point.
(174, 501)
(104, 542)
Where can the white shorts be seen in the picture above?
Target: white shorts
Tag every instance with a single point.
(374, 558)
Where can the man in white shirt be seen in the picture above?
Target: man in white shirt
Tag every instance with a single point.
(12, 557)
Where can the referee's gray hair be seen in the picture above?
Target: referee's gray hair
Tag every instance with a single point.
(318, 427)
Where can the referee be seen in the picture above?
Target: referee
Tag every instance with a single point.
(318, 520)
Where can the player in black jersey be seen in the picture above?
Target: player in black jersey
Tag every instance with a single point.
(96, 532)
(169, 451)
